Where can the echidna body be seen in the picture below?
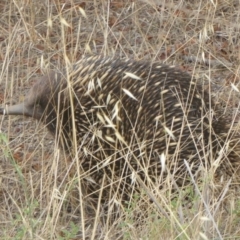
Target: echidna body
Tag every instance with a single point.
(123, 116)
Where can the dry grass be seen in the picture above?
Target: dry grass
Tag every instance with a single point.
(39, 191)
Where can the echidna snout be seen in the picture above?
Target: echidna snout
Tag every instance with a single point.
(38, 99)
(127, 113)
(20, 109)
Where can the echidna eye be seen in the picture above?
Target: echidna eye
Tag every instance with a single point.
(36, 105)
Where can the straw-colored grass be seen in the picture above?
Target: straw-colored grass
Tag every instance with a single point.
(40, 194)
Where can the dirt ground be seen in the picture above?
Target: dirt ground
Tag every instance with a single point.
(36, 180)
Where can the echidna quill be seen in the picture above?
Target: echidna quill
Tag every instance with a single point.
(127, 120)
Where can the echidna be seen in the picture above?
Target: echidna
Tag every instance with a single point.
(122, 116)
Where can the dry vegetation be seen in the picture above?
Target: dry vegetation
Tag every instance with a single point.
(39, 193)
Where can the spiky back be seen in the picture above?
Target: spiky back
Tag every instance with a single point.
(126, 114)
